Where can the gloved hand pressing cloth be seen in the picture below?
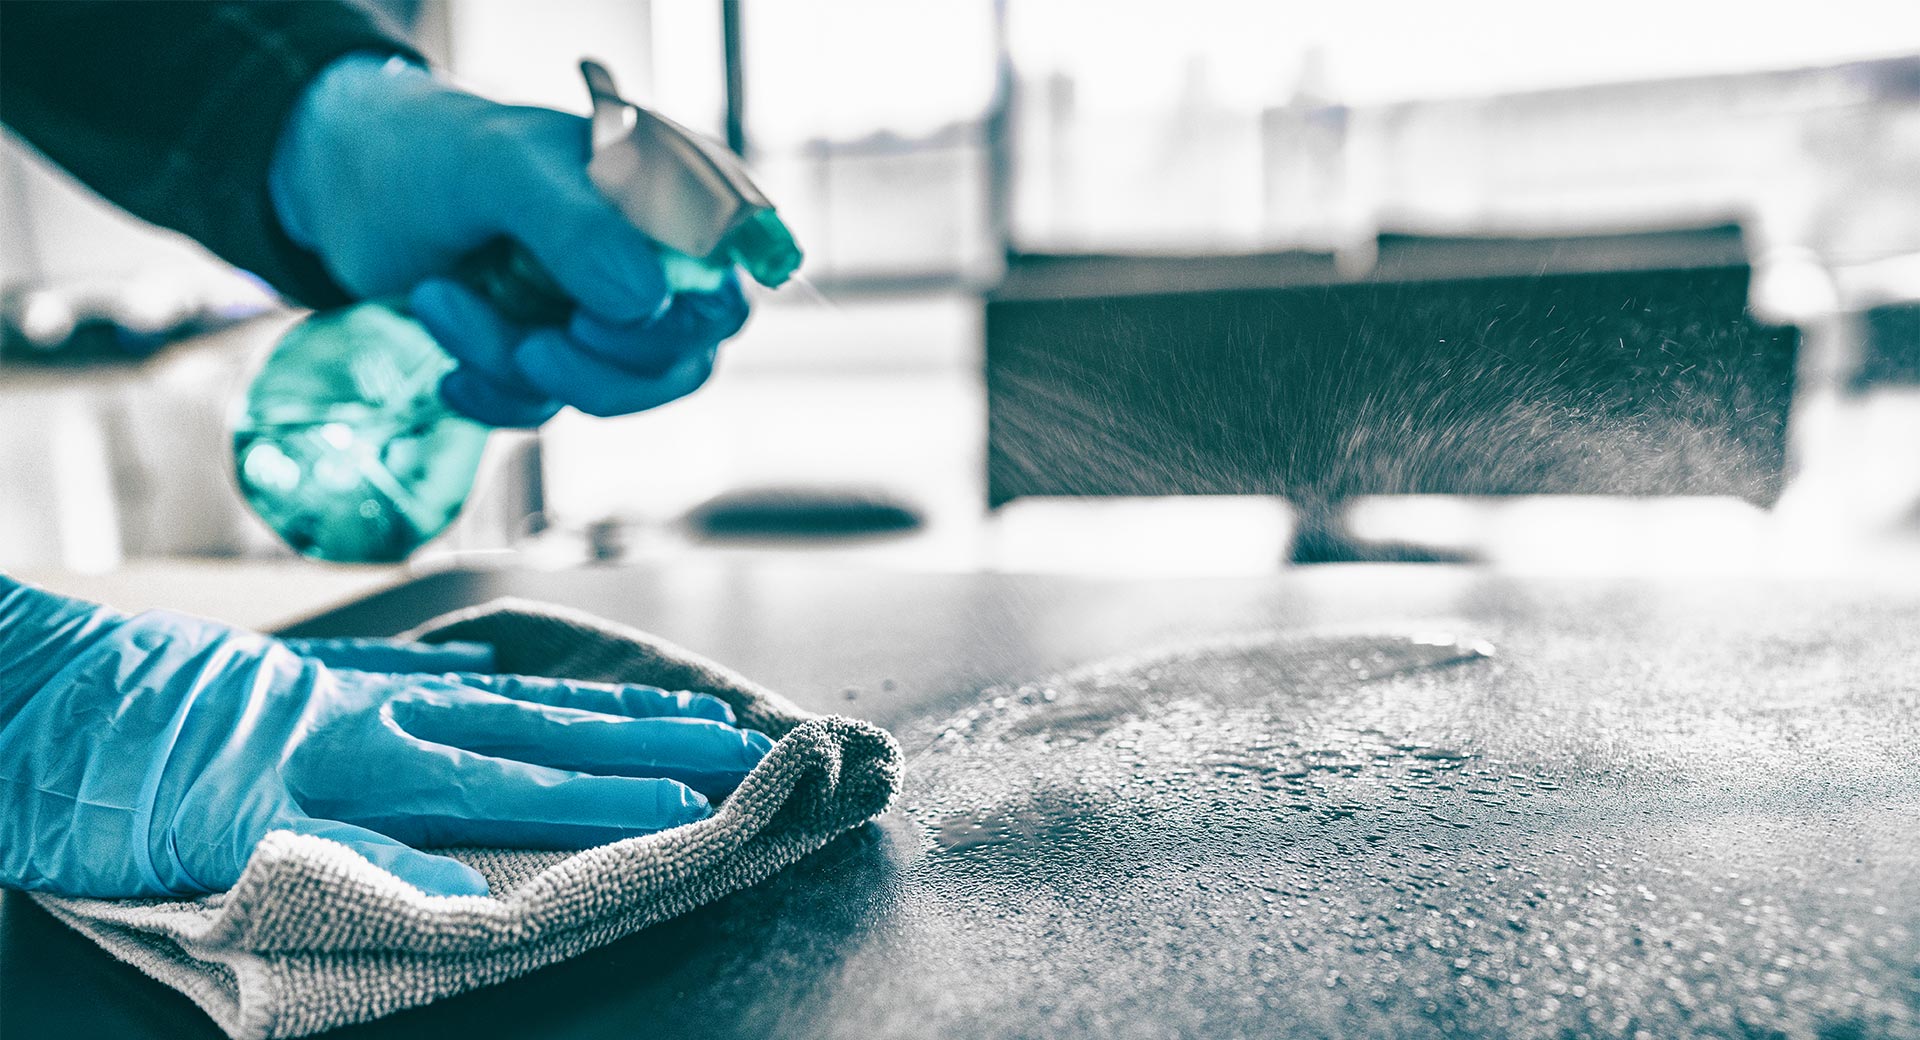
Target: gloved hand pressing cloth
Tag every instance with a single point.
(159, 755)
(147, 755)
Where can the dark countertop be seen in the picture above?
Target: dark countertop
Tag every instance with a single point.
(1662, 808)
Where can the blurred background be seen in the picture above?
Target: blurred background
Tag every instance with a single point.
(1207, 287)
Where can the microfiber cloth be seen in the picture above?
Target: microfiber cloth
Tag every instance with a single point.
(313, 936)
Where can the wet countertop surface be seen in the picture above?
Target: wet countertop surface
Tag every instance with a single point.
(1391, 800)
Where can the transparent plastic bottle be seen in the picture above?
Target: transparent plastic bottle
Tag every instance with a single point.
(344, 446)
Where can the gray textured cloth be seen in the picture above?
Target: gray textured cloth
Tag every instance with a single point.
(314, 937)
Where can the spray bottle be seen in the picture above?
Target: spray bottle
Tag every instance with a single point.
(343, 444)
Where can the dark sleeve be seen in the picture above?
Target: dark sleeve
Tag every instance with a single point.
(171, 110)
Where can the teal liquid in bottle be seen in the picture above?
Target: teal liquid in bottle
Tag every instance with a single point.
(343, 445)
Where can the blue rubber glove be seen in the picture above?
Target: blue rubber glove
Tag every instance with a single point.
(146, 755)
(391, 176)
(389, 655)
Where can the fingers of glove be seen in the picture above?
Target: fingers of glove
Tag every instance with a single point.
(556, 366)
(467, 326)
(434, 875)
(628, 347)
(691, 325)
(710, 757)
(390, 655)
(622, 699)
(492, 801)
(486, 386)
(706, 317)
(480, 398)
(605, 264)
(511, 377)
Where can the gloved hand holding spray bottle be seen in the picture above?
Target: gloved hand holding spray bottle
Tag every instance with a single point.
(360, 438)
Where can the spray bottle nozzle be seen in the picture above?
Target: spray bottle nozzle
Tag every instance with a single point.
(686, 192)
(765, 248)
